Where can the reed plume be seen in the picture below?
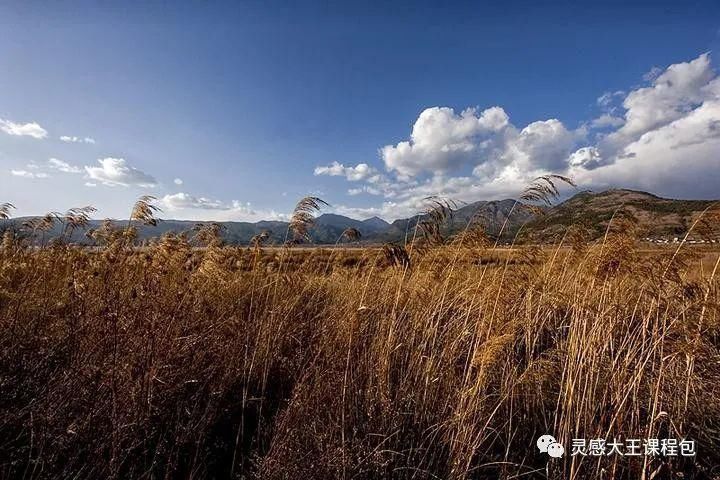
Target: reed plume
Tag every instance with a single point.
(438, 212)
(144, 211)
(5, 210)
(173, 361)
(76, 218)
(208, 234)
(303, 218)
(544, 190)
(351, 234)
(259, 239)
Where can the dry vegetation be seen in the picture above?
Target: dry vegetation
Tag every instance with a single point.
(442, 359)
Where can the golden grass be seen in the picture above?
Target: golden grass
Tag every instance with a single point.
(440, 360)
(175, 362)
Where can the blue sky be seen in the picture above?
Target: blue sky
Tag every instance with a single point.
(249, 104)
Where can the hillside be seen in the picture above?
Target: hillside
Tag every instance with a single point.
(656, 217)
(492, 214)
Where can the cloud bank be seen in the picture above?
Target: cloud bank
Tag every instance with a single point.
(191, 207)
(663, 136)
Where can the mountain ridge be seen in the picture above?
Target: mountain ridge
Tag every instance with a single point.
(655, 216)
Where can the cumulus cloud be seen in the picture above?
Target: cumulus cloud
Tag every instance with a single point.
(63, 166)
(116, 172)
(678, 159)
(585, 156)
(411, 199)
(442, 140)
(73, 139)
(662, 136)
(501, 157)
(546, 144)
(178, 181)
(674, 93)
(31, 129)
(360, 171)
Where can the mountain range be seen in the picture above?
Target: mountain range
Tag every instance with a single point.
(655, 217)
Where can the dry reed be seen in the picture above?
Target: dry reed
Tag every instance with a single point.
(171, 361)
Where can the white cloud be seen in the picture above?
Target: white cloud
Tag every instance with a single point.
(31, 129)
(178, 181)
(63, 166)
(90, 184)
(663, 137)
(22, 173)
(27, 174)
(187, 206)
(73, 139)
(334, 170)
(41, 171)
(387, 210)
(546, 144)
(410, 200)
(183, 200)
(116, 172)
(584, 156)
(679, 159)
(370, 190)
(674, 93)
(360, 171)
(606, 120)
(442, 140)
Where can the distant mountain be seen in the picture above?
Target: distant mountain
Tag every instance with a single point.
(327, 230)
(375, 224)
(330, 226)
(233, 232)
(656, 217)
(493, 215)
(337, 221)
(341, 222)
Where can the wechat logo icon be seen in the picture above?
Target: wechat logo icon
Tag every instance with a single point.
(548, 444)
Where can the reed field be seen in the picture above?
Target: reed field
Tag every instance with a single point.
(443, 358)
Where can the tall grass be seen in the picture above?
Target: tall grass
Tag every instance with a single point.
(446, 361)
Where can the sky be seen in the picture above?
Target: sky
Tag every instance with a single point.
(235, 110)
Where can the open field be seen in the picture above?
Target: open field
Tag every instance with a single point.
(282, 240)
(174, 362)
